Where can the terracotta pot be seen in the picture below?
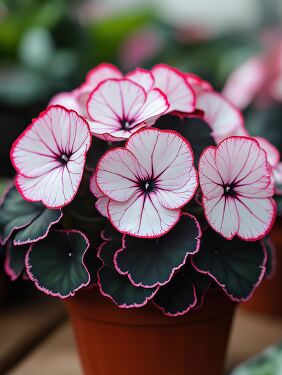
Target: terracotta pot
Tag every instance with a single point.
(267, 298)
(115, 341)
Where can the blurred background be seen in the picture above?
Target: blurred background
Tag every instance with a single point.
(48, 46)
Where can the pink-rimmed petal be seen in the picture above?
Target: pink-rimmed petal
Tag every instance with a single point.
(118, 173)
(102, 200)
(273, 155)
(55, 132)
(98, 74)
(197, 84)
(67, 100)
(170, 81)
(172, 198)
(277, 174)
(241, 203)
(37, 156)
(156, 104)
(245, 82)
(241, 161)
(142, 216)
(143, 77)
(165, 155)
(210, 179)
(222, 117)
(102, 206)
(222, 215)
(256, 217)
(114, 102)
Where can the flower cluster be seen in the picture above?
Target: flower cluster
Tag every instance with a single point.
(144, 147)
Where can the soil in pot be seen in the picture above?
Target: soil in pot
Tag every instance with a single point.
(114, 341)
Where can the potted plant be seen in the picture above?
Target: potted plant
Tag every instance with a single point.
(262, 104)
(141, 201)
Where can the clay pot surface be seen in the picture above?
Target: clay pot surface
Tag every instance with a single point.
(267, 298)
(114, 341)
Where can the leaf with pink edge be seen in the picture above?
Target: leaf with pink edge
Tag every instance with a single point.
(177, 297)
(31, 220)
(56, 264)
(152, 262)
(237, 266)
(116, 286)
(15, 260)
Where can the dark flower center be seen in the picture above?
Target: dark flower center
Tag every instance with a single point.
(229, 190)
(126, 124)
(64, 158)
(147, 186)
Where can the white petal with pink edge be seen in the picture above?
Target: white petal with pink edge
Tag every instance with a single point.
(245, 82)
(142, 216)
(67, 100)
(118, 173)
(237, 188)
(102, 206)
(256, 217)
(114, 104)
(222, 117)
(50, 156)
(173, 84)
(211, 180)
(102, 200)
(172, 198)
(273, 155)
(155, 105)
(143, 77)
(99, 74)
(241, 161)
(222, 215)
(164, 155)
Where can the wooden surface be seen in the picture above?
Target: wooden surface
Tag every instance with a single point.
(57, 354)
(24, 325)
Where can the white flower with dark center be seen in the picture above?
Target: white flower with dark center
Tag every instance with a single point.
(144, 185)
(49, 157)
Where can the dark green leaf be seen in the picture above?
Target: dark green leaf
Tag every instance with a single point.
(177, 297)
(152, 262)
(56, 264)
(31, 220)
(116, 286)
(271, 256)
(237, 266)
(15, 260)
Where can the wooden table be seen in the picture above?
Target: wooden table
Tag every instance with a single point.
(57, 354)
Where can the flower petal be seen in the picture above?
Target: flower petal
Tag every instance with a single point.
(67, 100)
(243, 163)
(142, 216)
(256, 217)
(114, 102)
(143, 77)
(210, 179)
(245, 82)
(166, 156)
(98, 74)
(55, 132)
(223, 118)
(118, 173)
(169, 80)
(37, 153)
(156, 104)
(273, 155)
(222, 215)
(172, 198)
